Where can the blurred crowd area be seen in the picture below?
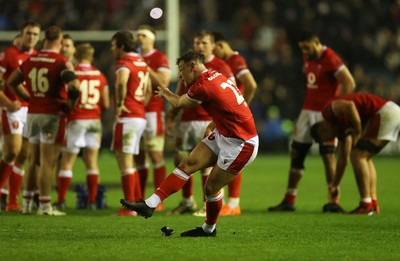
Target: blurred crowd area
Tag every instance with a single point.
(365, 33)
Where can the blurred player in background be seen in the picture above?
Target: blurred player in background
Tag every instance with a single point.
(5, 189)
(132, 93)
(371, 122)
(247, 85)
(153, 139)
(14, 114)
(231, 141)
(326, 78)
(68, 51)
(68, 48)
(46, 74)
(84, 127)
(17, 40)
(193, 123)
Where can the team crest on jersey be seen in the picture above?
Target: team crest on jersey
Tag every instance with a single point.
(211, 136)
(15, 124)
(1, 56)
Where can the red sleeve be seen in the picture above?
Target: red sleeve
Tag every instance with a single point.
(239, 64)
(164, 63)
(226, 71)
(197, 92)
(104, 81)
(334, 61)
(119, 65)
(3, 61)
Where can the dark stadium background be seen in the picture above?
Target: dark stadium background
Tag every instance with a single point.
(366, 34)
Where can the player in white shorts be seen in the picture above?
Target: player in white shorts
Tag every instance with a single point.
(204, 43)
(132, 93)
(84, 127)
(152, 143)
(14, 114)
(326, 77)
(46, 74)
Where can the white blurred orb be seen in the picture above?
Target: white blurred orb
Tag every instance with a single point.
(156, 13)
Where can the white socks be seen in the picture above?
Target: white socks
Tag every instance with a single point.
(153, 201)
(208, 228)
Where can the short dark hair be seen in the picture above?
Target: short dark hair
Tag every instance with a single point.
(52, 33)
(68, 36)
(218, 36)
(191, 55)
(308, 35)
(125, 38)
(30, 23)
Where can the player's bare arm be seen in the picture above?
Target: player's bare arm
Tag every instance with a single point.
(2, 83)
(148, 90)
(73, 86)
(250, 86)
(175, 100)
(343, 107)
(9, 104)
(162, 78)
(209, 129)
(73, 92)
(346, 80)
(105, 98)
(14, 82)
(121, 82)
(344, 149)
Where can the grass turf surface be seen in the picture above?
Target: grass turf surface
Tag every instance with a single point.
(306, 234)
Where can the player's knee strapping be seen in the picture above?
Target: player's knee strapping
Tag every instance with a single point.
(326, 148)
(366, 145)
(298, 154)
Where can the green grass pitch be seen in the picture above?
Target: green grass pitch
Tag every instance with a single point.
(306, 234)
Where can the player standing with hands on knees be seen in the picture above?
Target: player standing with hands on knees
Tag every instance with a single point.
(371, 122)
(231, 143)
